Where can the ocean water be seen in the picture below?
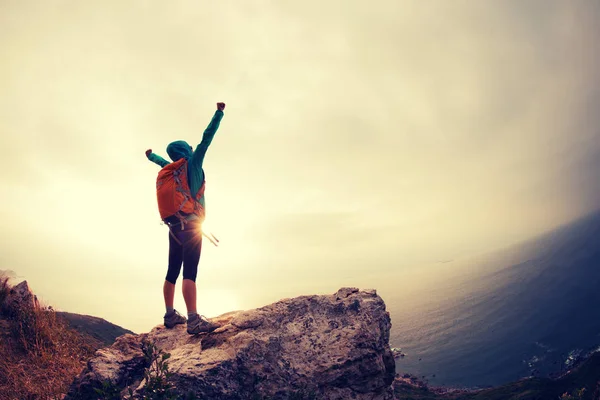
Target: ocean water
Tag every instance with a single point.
(525, 311)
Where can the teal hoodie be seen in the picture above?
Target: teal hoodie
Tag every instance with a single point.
(181, 149)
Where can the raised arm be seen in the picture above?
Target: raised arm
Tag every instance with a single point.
(155, 158)
(207, 137)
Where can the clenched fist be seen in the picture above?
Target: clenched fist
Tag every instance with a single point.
(220, 106)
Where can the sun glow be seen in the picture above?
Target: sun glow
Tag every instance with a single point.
(214, 302)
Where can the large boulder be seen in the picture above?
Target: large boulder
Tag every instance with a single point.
(315, 347)
(20, 298)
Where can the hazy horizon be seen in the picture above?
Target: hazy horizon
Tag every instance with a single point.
(359, 141)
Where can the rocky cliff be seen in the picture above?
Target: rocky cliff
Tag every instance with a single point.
(320, 347)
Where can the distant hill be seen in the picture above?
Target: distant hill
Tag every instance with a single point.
(98, 328)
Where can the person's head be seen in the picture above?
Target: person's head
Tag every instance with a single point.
(179, 149)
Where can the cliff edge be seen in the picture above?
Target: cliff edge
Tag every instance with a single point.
(323, 347)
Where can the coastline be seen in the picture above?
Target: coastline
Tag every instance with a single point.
(584, 370)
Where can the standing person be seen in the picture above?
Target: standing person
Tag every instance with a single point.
(180, 194)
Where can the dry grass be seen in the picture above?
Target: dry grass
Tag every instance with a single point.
(39, 354)
(4, 289)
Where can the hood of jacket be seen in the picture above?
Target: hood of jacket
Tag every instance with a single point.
(178, 150)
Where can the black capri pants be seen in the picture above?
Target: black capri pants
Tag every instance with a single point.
(185, 247)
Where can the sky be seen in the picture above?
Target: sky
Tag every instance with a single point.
(363, 143)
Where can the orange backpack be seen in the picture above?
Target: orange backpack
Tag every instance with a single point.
(173, 191)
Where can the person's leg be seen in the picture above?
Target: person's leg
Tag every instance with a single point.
(172, 317)
(189, 295)
(191, 258)
(169, 294)
(175, 260)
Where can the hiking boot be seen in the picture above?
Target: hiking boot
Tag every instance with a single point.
(174, 318)
(199, 324)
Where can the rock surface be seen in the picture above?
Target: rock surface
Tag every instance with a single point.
(330, 347)
(21, 297)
